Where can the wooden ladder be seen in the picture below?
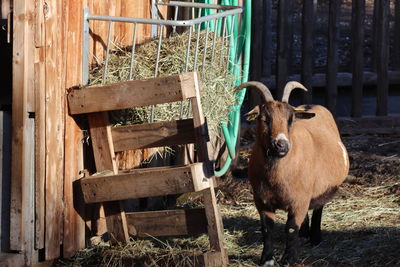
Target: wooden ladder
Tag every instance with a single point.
(109, 185)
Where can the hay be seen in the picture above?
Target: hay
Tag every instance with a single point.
(217, 82)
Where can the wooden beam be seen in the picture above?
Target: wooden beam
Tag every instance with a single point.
(333, 59)
(369, 124)
(283, 45)
(105, 159)
(157, 134)
(130, 94)
(74, 224)
(357, 54)
(149, 182)
(307, 48)
(22, 217)
(267, 38)
(167, 222)
(396, 44)
(343, 79)
(382, 57)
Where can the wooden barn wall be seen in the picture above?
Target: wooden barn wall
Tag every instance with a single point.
(47, 143)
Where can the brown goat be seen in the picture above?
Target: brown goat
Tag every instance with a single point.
(297, 164)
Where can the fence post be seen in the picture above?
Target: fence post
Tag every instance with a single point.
(283, 46)
(332, 63)
(382, 57)
(307, 48)
(357, 49)
(396, 46)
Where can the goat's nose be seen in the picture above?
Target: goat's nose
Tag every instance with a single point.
(281, 144)
(281, 147)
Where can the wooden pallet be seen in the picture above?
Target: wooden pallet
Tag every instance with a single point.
(109, 185)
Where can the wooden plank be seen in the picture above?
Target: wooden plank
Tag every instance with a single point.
(167, 222)
(282, 47)
(267, 38)
(153, 135)
(211, 259)
(369, 122)
(130, 94)
(40, 153)
(55, 77)
(344, 79)
(382, 59)
(147, 182)
(396, 42)
(105, 159)
(375, 40)
(215, 227)
(100, 133)
(307, 48)
(204, 150)
(357, 54)
(39, 23)
(22, 165)
(333, 59)
(74, 224)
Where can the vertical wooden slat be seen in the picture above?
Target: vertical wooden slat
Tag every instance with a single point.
(267, 38)
(22, 165)
(396, 44)
(105, 159)
(357, 29)
(256, 48)
(333, 61)
(74, 224)
(375, 23)
(382, 57)
(55, 97)
(282, 47)
(307, 48)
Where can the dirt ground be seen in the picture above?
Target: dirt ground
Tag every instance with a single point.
(361, 226)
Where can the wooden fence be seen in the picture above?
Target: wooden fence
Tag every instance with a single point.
(374, 57)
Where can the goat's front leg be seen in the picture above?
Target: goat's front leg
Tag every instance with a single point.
(267, 225)
(294, 221)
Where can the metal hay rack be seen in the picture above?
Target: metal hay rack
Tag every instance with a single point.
(218, 21)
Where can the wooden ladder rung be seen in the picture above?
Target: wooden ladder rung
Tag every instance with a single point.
(167, 222)
(129, 94)
(157, 134)
(149, 182)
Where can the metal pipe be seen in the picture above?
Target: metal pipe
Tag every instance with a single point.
(197, 5)
(213, 42)
(186, 63)
(107, 52)
(85, 48)
(205, 51)
(197, 49)
(222, 42)
(175, 19)
(166, 22)
(157, 63)
(230, 42)
(133, 51)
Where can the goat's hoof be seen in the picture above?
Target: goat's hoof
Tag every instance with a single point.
(270, 262)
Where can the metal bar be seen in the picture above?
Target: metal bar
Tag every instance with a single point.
(230, 43)
(157, 63)
(197, 49)
(154, 15)
(222, 41)
(199, 15)
(197, 5)
(205, 50)
(186, 64)
(133, 51)
(213, 42)
(166, 22)
(85, 48)
(107, 52)
(175, 19)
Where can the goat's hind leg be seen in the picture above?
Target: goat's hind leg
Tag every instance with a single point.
(267, 225)
(304, 232)
(315, 233)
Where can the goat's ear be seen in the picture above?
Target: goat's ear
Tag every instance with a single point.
(300, 114)
(253, 114)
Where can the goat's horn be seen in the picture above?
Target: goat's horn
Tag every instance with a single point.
(288, 89)
(261, 88)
